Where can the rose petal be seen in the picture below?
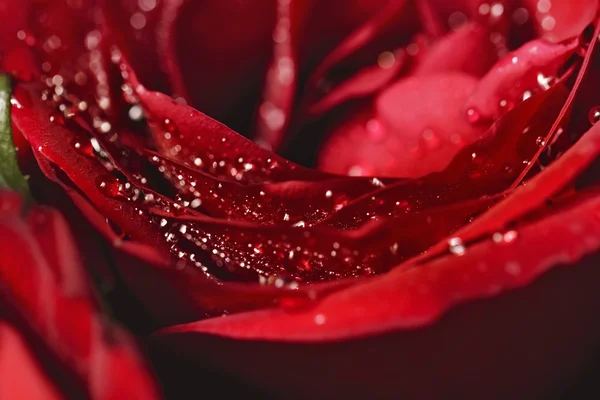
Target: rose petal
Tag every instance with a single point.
(558, 20)
(360, 38)
(484, 168)
(225, 82)
(49, 229)
(530, 343)
(329, 24)
(10, 202)
(409, 299)
(21, 373)
(455, 52)
(201, 138)
(405, 137)
(281, 79)
(366, 82)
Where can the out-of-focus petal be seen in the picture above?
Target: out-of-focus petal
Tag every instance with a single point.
(21, 374)
(416, 128)
(64, 315)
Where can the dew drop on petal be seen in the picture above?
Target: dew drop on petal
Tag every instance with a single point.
(431, 139)
(510, 236)
(497, 10)
(108, 185)
(57, 118)
(170, 126)
(520, 16)
(136, 113)
(594, 115)
(386, 59)
(456, 247)
(83, 146)
(320, 319)
(473, 115)
(375, 129)
(513, 268)
(356, 170)
(540, 141)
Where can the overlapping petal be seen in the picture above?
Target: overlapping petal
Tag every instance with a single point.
(44, 294)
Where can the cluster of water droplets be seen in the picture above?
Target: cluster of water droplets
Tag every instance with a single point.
(224, 212)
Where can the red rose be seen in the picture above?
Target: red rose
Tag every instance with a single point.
(436, 270)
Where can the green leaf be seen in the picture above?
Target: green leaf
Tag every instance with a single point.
(10, 175)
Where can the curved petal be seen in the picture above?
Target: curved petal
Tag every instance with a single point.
(66, 318)
(558, 20)
(281, 79)
(455, 51)
(222, 79)
(417, 297)
(417, 127)
(367, 81)
(538, 190)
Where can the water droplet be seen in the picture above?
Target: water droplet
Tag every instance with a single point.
(57, 118)
(340, 203)
(357, 170)
(375, 129)
(497, 10)
(548, 23)
(513, 268)
(386, 59)
(508, 169)
(147, 5)
(544, 81)
(15, 103)
(540, 141)
(432, 140)
(456, 247)
(27, 37)
(594, 115)
(83, 146)
(169, 126)
(507, 237)
(108, 185)
(136, 113)
(510, 236)
(195, 203)
(105, 127)
(377, 183)
(473, 115)
(520, 16)
(138, 20)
